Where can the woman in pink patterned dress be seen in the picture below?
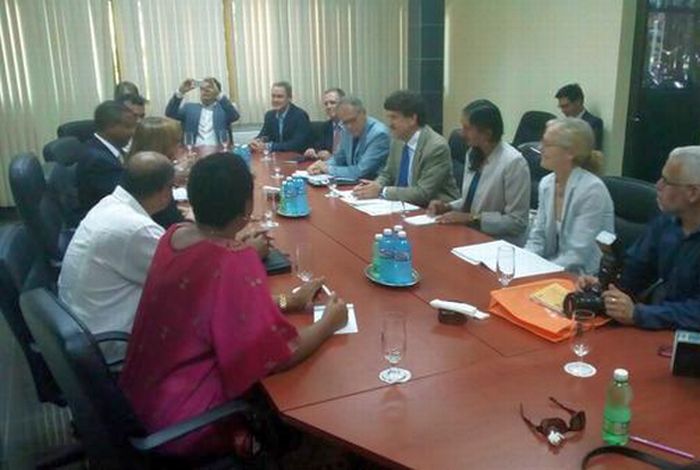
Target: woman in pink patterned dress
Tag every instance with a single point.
(207, 327)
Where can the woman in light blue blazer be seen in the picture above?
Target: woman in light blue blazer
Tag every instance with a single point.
(574, 204)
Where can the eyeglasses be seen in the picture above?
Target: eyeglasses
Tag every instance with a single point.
(666, 182)
(554, 428)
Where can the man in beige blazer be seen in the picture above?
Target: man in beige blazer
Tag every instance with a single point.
(418, 168)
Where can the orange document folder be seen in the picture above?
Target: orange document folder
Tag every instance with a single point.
(516, 305)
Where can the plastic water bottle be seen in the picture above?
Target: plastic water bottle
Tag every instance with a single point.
(397, 229)
(617, 413)
(244, 152)
(302, 199)
(286, 199)
(386, 256)
(376, 259)
(403, 259)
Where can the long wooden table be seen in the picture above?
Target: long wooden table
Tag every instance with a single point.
(460, 410)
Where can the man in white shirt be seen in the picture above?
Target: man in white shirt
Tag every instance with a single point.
(208, 121)
(107, 260)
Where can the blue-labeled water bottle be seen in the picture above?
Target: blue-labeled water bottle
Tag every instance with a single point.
(403, 258)
(617, 413)
(286, 203)
(386, 256)
(302, 199)
(376, 259)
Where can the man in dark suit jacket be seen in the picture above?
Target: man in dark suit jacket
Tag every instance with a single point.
(571, 104)
(286, 127)
(100, 170)
(327, 141)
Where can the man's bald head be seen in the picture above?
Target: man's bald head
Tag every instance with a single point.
(146, 174)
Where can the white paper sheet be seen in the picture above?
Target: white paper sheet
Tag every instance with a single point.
(350, 326)
(423, 219)
(526, 262)
(301, 173)
(180, 194)
(375, 207)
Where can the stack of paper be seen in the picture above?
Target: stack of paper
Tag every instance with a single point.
(423, 219)
(350, 326)
(526, 262)
(375, 207)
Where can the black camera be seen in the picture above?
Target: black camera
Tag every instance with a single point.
(591, 298)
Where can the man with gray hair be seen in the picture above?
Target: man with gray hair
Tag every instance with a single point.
(364, 144)
(107, 260)
(660, 284)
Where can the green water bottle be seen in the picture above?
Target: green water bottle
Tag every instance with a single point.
(617, 414)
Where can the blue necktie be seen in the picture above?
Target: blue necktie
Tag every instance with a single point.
(467, 207)
(403, 168)
(280, 125)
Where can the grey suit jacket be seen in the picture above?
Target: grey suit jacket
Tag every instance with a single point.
(369, 156)
(502, 195)
(588, 209)
(431, 171)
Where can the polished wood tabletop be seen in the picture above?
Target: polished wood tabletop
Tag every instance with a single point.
(460, 410)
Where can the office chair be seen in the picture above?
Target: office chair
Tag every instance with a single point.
(635, 206)
(111, 434)
(531, 127)
(81, 130)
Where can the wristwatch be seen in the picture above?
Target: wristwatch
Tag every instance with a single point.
(476, 221)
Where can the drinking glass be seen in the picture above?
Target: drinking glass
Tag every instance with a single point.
(394, 348)
(582, 326)
(276, 168)
(266, 151)
(332, 187)
(505, 264)
(224, 139)
(304, 264)
(188, 139)
(270, 202)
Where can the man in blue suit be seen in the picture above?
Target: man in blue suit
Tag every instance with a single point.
(208, 119)
(570, 98)
(286, 127)
(100, 170)
(364, 144)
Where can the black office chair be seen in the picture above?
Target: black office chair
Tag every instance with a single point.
(17, 256)
(81, 130)
(531, 152)
(39, 210)
(317, 128)
(635, 206)
(111, 434)
(64, 150)
(531, 127)
(458, 151)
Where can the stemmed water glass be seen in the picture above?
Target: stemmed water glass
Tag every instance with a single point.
(270, 207)
(394, 348)
(224, 140)
(266, 151)
(582, 326)
(276, 169)
(332, 186)
(188, 139)
(505, 264)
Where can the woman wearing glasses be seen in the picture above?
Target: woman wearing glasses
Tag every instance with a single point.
(574, 204)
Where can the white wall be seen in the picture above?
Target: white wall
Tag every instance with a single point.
(518, 53)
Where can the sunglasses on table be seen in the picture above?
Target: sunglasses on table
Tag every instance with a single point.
(553, 429)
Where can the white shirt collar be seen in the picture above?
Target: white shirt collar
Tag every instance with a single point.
(124, 196)
(413, 141)
(580, 115)
(115, 151)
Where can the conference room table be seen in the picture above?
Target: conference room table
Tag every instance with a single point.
(461, 407)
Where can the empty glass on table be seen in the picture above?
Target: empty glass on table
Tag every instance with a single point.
(393, 338)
